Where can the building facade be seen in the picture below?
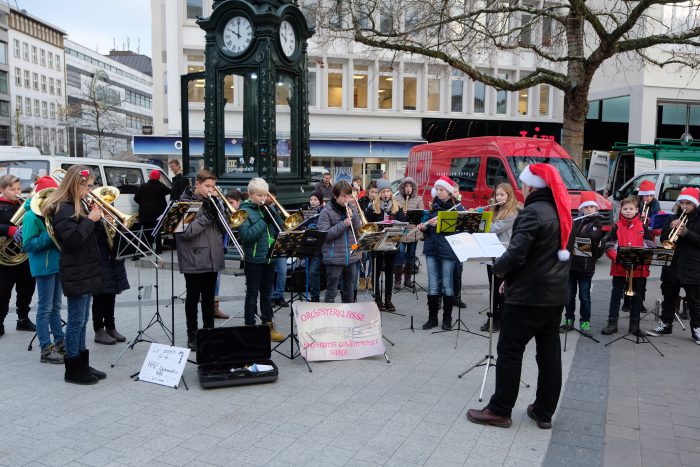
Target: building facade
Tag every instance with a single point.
(366, 109)
(5, 115)
(108, 103)
(37, 83)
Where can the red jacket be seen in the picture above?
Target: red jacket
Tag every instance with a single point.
(627, 232)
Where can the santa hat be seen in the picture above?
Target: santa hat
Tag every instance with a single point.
(154, 174)
(647, 187)
(545, 175)
(587, 199)
(45, 182)
(690, 194)
(446, 183)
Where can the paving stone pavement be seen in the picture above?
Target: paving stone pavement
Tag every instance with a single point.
(366, 412)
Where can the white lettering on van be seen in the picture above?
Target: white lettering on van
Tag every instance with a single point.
(419, 168)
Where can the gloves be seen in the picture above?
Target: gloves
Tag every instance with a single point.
(612, 254)
(17, 237)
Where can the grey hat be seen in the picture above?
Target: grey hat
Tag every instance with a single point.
(383, 184)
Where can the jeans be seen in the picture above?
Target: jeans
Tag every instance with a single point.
(103, 311)
(440, 272)
(21, 277)
(583, 281)
(407, 253)
(670, 291)
(48, 310)
(619, 284)
(258, 280)
(518, 326)
(199, 285)
(313, 279)
(333, 274)
(280, 278)
(78, 317)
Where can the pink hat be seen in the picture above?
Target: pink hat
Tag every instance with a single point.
(647, 187)
(545, 175)
(154, 175)
(690, 194)
(45, 182)
(588, 198)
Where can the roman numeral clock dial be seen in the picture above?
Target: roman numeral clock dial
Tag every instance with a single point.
(237, 35)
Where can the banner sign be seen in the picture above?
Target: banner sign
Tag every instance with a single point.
(338, 331)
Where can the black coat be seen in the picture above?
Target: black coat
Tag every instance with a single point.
(179, 184)
(7, 210)
(151, 200)
(114, 279)
(685, 266)
(532, 271)
(79, 265)
(591, 228)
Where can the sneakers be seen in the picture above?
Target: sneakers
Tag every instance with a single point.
(661, 329)
(60, 347)
(275, 335)
(695, 335)
(584, 326)
(25, 325)
(51, 355)
(568, 325)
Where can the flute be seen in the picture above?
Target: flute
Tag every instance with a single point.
(587, 215)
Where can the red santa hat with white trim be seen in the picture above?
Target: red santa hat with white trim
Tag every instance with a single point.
(545, 175)
(690, 194)
(646, 188)
(587, 198)
(444, 182)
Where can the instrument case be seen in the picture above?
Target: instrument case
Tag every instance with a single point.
(219, 350)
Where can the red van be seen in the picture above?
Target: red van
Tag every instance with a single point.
(479, 164)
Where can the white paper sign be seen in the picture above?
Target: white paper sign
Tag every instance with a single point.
(477, 245)
(164, 364)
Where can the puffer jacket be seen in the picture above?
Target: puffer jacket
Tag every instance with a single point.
(114, 279)
(79, 266)
(685, 265)
(200, 248)
(337, 248)
(414, 202)
(436, 243)
(533, 274)
(7, 210)
(43, 254)
(258, 232)
(627, 232)
(590, 228)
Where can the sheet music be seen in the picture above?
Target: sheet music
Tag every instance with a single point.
(479, 245)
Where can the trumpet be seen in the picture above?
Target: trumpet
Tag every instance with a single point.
(629, 275)
(670, 243)
(225, 223)
(235, 217)
(291, 221)
(366, 227)
(645, 214)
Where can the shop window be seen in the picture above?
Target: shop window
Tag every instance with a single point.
(410, 87)
(386, 87)
(433, 94)
(335, 85)
(360, 83)
(465, 170)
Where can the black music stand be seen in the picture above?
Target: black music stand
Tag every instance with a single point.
(632, 258)
(415, 217)
(303, 244)
(661, 257)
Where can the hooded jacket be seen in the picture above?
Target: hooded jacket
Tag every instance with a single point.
(337, 248)
(414, 202)
(200, 248)
(258, 232)
(42, 251)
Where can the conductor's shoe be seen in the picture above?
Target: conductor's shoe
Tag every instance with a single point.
(486, 417)
(25, 325)
(191, 340)
(661, 329)
(541, 423)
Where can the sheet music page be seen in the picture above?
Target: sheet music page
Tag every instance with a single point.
(490, 244)
(464, 245)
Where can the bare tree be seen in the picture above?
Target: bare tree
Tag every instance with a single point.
(569, 40)
(19, 128)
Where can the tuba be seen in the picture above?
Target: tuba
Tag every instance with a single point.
(366, 227)
(291, 221)
(11, 253)
(36, 204)
(670, 242)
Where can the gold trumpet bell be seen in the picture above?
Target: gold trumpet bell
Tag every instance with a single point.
(293, 221)
(108, 194)
(669, 245)
(237, 219)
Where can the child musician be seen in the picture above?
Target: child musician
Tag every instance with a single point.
(439, 256)
(342, 225)
(258, 234)
(18, 275)
(384, 208)
(684, 270)
(313, 265)
(647, 201)
(628, 231)
(409, 199)
(587, 231)
(200, 255)
(74, 225)
(43, 261)
(504, 214)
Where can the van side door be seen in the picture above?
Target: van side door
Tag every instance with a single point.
(465, 171)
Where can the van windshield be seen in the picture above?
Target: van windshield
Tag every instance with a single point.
(27, 171)
(570, 174)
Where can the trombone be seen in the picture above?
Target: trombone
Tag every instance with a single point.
(366, 227)
(235, 217)
(227, 222)
(670, 242)
(291, 221)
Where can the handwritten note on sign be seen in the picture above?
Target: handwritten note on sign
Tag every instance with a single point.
(164, 364)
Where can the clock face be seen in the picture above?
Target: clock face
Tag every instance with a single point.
(238, 34)
(288, 38)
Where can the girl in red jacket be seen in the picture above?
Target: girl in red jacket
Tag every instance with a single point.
(628, 231)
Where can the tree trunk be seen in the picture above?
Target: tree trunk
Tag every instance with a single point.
(575, 111)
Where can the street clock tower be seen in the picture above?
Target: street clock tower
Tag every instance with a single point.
(259, 45)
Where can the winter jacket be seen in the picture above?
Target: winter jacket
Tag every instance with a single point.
(325, 190)
(43, 254)
(627, 232)
(414, 202)
(685, 265)
(436, 243)
(179, 184)
(337, 248)
(114, 279)
(654, 206)
(79, 265)
(151, 200)
(364, 203)
(258, 232)
(533, 274)
(7, 210)
(503, 228)
(200, 248)
(590, 228)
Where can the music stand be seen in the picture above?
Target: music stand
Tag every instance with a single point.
(415, 217)
(661, 257)
(303, 244)
(631, 258)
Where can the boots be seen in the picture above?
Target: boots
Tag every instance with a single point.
(218, 314)
(192, 340)
(407, 273)
(101, 337)
(85, 358)
(433, 308)
(116, 335)
(387, 303)
(447, 304)
(275, 335)
(25, 324)
(378, 300)
(397, 277)
(363, 284)
(634, 327)
(76, 374)
(611, 328)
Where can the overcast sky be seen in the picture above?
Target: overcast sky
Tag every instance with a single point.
(97, 24)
